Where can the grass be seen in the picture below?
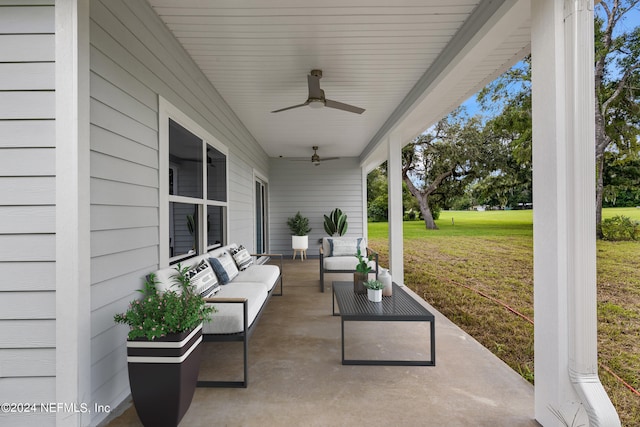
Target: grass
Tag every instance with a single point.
(493, 253)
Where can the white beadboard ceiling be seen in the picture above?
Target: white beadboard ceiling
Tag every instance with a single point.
(380, 55)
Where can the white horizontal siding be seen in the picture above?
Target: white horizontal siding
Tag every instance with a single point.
(42, 333)
(28, 389)
(36, 362)
(121, 193)
(27, 47)
(27, 219)
(28, 247)
(27, 208)
(28, 305)
(134, 60)
(27, 133)
(314, 191)
(27, 190)
(118, 288)
(27, 76)
(27, 162)
(27, 20)
(114, 121)
(121, 170)
(241, 204)
(27, 105)
(40, 277)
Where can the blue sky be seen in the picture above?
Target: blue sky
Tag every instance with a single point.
(631, 20)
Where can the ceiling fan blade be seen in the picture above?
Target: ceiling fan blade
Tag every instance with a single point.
(315, 92)
(341, 106)
(326, 159)
(289, 108)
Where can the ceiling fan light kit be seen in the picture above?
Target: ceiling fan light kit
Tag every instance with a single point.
(316, 98)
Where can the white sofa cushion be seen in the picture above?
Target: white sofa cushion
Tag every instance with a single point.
(265, 274)
(229, 318)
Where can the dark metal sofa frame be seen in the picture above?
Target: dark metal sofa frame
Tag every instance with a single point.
(242, 336)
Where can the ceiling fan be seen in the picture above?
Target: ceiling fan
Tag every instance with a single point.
(315, 159)
(317, 99)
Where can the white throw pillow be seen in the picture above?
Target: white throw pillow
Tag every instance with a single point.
(345, 246)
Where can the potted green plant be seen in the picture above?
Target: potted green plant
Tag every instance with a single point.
(335, 223)
(299, 226)
(374, 290)
(163, 348)
(362, 272)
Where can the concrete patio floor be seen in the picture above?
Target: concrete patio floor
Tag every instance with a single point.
(296, 377)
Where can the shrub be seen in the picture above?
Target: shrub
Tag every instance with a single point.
(620, 228)
(299, 225)
(158, 313)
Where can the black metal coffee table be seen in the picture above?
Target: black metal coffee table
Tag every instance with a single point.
(401, 307)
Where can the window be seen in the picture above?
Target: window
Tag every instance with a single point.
(261, 215)
(193, 190)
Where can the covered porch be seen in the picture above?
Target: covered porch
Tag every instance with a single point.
(92, 155)
(296, 378)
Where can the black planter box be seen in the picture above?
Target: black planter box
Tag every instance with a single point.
(163, 375)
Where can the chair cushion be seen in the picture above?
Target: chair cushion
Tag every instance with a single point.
(265, 274)
(344, 263)
(229, 319)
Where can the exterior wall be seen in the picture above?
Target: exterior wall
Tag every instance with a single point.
(27, 209)
(134, 59)
(314, 191)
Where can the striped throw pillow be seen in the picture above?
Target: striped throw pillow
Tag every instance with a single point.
(242, 258)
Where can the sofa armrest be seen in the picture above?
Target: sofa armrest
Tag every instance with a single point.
(273, 255)
(224, 300)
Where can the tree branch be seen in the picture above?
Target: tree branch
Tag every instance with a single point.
(621, 85)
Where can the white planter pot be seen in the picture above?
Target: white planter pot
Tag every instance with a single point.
(300, 242)
(374, 295)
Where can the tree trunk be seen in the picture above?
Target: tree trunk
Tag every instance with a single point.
(602, 141)
(599, 193)
(423, 201)
(427, 215)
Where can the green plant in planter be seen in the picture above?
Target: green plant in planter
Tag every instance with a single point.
(158, 313)
(363, 263)
(374, 285)
(299, 225)
(335, 223)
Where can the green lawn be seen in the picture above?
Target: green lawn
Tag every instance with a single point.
(493, 252)
(487, 223)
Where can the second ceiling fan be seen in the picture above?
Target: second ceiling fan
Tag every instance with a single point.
(316, 98)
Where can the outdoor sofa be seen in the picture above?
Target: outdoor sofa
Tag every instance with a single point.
(338, 255)
(229, 279)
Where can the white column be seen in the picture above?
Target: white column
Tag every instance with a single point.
(73, 318)
(564, 216)
(394, 177)
(582, 295)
